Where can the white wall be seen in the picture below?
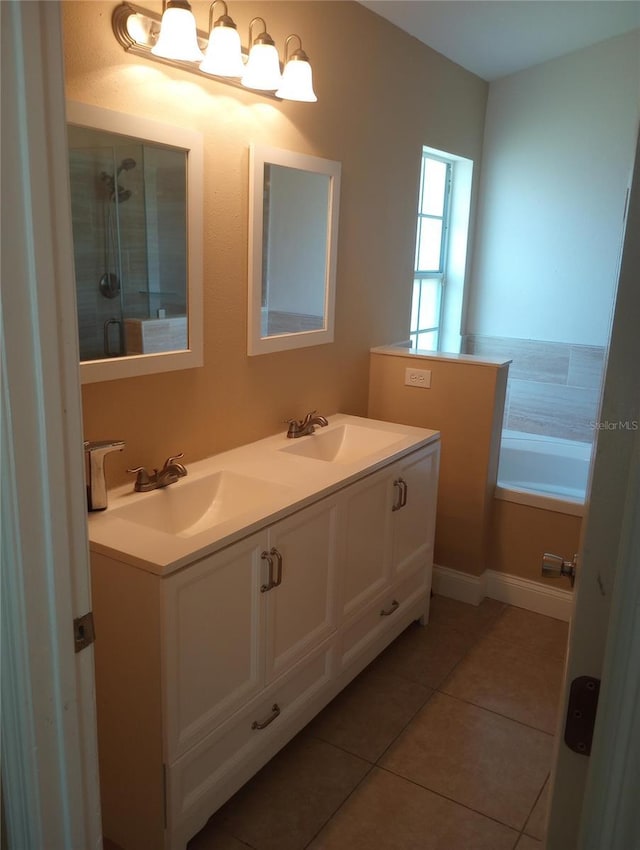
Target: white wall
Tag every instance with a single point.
(557, 158)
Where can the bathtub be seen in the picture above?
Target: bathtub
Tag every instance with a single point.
(544, 472)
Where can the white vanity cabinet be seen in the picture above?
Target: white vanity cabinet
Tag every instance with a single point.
(234, 622)
(203, 673)
(388, 555)
(230, 636)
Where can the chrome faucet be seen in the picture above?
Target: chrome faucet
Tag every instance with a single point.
(169, 474)
(302, 427)
(95, 453)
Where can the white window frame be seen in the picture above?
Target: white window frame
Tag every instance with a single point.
(454, 248)
(421, 275)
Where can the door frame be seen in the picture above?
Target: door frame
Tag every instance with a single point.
(49, 760)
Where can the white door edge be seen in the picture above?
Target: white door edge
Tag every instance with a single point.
(607, 590)
(50, 777)
(610, 812)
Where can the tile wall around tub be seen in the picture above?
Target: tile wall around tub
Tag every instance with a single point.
(553, 388)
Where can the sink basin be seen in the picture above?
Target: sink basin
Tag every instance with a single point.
(344, 444)
(191, 506)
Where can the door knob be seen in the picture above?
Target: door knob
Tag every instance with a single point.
(554, 566)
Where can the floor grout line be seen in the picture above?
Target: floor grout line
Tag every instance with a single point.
(449, 799)
(337, 809)
(405, 727)
(497, 713)
(544, 785)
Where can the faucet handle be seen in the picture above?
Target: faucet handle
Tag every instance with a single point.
(179, 468)
(173, 459)
(142, 476)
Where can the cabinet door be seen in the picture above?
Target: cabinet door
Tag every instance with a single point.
(367, 549)
(414, 521)
(301, 607)
(211, 640)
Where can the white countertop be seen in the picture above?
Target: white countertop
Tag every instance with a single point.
(292, 482)
(405, 350)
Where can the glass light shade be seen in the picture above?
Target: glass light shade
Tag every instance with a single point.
(139, 28)
(224, 54)
(178, 39)
(262, 71)
(297, 82)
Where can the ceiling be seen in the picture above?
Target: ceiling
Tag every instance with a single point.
(493, 38)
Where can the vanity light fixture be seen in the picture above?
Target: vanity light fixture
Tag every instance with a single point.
(178, 38)
(263, 66)
(297, 81)
(224, 51)
(147, 34)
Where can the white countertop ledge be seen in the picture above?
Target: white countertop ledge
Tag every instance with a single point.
(290, 482)
(402, 350)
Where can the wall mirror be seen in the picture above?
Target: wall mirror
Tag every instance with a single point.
(293, 235)
(136, 201)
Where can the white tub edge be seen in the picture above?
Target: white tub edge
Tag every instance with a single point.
(557, 504)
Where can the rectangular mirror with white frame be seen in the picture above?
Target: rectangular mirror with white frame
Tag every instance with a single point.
(293, 236)
(136, 201)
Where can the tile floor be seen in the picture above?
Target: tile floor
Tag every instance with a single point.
(443, 743)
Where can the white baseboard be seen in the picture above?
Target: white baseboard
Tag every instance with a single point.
(459, 585)
(521, 592)
(532, 595)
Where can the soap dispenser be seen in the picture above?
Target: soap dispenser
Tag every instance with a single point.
(95, 453)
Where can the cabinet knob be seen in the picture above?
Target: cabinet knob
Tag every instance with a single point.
(393, 607)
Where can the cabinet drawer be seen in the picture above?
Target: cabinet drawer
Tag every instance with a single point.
(381, 615)
(207, 775)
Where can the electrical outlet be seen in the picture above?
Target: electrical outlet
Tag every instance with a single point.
(417, 378)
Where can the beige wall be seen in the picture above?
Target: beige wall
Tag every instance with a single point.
(465, 403)
(547, 127)
(373, 114)
(521, 534)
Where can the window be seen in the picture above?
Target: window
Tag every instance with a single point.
(431, 252)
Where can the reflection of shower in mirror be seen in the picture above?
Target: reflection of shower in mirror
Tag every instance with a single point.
(115, 190)
(130, 244)
(110, 281)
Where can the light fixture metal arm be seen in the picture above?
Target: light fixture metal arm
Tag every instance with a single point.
(286, 45)
(263, 32)
(224, 19)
